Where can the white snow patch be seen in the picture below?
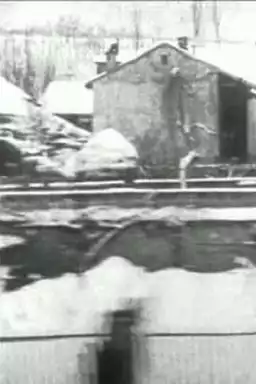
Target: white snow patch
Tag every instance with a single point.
(68, 97)
(70, 304)
(107, 149)
(173, 301)
(181, 301)
(13, 100)
(9, 240)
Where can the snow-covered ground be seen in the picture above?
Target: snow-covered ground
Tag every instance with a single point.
(114, 214)
(172, 300)
(48, 306)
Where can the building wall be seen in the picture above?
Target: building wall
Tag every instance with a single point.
(251, 136)
(143, 102)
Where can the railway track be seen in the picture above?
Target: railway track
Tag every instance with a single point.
(235, 182)
(130, 197)
(210, 192)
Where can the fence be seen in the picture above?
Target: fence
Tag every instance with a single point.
(166, 358)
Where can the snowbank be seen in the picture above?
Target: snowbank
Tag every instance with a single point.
(69, 304)
(111, 140)
(174, 301)
(114, 214)
(182, 301)
(9, 240)
(105, 149)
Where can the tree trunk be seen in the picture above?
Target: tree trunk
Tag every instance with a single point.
(197, 7)
(216, 19)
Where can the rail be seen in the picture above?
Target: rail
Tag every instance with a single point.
(160, 357)
(52, 337)
(138, 183)
(125, 190)
(129, 196)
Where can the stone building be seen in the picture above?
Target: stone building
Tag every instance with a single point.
(167, 102)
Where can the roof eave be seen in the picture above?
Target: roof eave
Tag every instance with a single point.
(89, 85)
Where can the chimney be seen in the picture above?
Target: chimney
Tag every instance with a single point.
(101, 66)
(183, 42)
(109, 61)
(111, 55)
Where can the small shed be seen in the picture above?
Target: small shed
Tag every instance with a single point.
(13, 101)
(69, 99)
(167, 101)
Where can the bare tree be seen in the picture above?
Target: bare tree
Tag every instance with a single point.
(69, 26)
(216, 18)
(136, 20)
(29, 75)
(197, 13)
(12, 66)
(49, 74)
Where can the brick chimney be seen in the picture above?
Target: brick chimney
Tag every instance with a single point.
(183, 42)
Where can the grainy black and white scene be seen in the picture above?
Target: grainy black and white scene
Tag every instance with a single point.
(127, 192)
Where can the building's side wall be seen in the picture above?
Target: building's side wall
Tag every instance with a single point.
(251, 132)
(142, 102)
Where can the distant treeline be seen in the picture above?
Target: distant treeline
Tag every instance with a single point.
(34, 57)
(31, 59)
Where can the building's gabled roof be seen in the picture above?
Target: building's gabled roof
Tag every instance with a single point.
(13, 100)
(216, 65)
(68, 97)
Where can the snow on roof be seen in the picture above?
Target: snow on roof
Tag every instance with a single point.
(13, 100)
(68, 97)
(56, 122)
(237, 61)
(219, 60)
(132, 59)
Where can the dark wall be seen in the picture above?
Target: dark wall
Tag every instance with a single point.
(82, 121)
(233, 96)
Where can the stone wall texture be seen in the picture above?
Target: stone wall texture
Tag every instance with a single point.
(146, 104)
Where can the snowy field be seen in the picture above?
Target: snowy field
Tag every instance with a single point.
(173, 300)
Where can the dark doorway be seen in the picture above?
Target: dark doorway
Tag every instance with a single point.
(232, 119)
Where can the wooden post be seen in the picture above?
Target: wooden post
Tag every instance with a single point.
(115, 362)
(184, 163)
